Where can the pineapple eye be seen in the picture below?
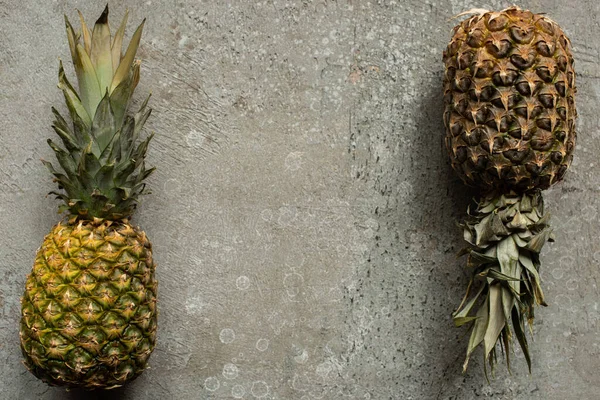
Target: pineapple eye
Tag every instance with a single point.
(522, 33)
(475, 38)
(521, 62)
(496, 22)
(499, 49)
(544, 49)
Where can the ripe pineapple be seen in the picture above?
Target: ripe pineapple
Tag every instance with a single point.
(509, 89)
(89, 307)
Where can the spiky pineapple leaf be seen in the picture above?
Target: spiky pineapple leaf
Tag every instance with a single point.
(101, 53)
(117, 43)
(518, 241)
(85, 31)
(520, 334)
(507, 264)
(461, 317)
(63, 181)
(508, 302)
(67, 139)
(518, 222)
(526, 204)
(477, 259)
(79, 115)
(537, 241)
(103, 127)
(64, 159)
(120, 96)
(72, 138)
(89, 87)
(478, 330)
(496, 319)
(140, 117)
(531, 268)
(123, 70)
(494, 274)
(508, 255)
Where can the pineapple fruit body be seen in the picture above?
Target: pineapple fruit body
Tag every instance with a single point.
(509, 113)
(89, 312)
(509, 102)
(89, 308)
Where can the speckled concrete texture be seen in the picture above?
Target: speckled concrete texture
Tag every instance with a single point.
(303, 212)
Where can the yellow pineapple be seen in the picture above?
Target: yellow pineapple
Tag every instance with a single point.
(89, 307)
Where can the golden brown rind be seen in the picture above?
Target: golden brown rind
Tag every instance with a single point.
(509, 108)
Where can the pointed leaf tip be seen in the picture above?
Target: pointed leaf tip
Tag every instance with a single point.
(85, 31)
(103, 19)
(117, 43)
(126, 62)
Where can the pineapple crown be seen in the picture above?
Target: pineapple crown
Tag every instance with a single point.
(102, 163)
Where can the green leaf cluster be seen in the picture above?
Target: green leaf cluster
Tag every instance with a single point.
(102, 160)
(505, 235)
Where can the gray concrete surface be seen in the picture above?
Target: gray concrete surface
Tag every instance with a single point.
(303, 211)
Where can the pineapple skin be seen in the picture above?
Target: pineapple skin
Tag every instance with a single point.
(89, 316)
(509, 107)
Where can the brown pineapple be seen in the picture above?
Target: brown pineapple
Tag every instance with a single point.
(509, 113)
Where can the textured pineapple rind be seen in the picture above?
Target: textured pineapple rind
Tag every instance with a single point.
(509, 87)
(89, 316)
(505, 235)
